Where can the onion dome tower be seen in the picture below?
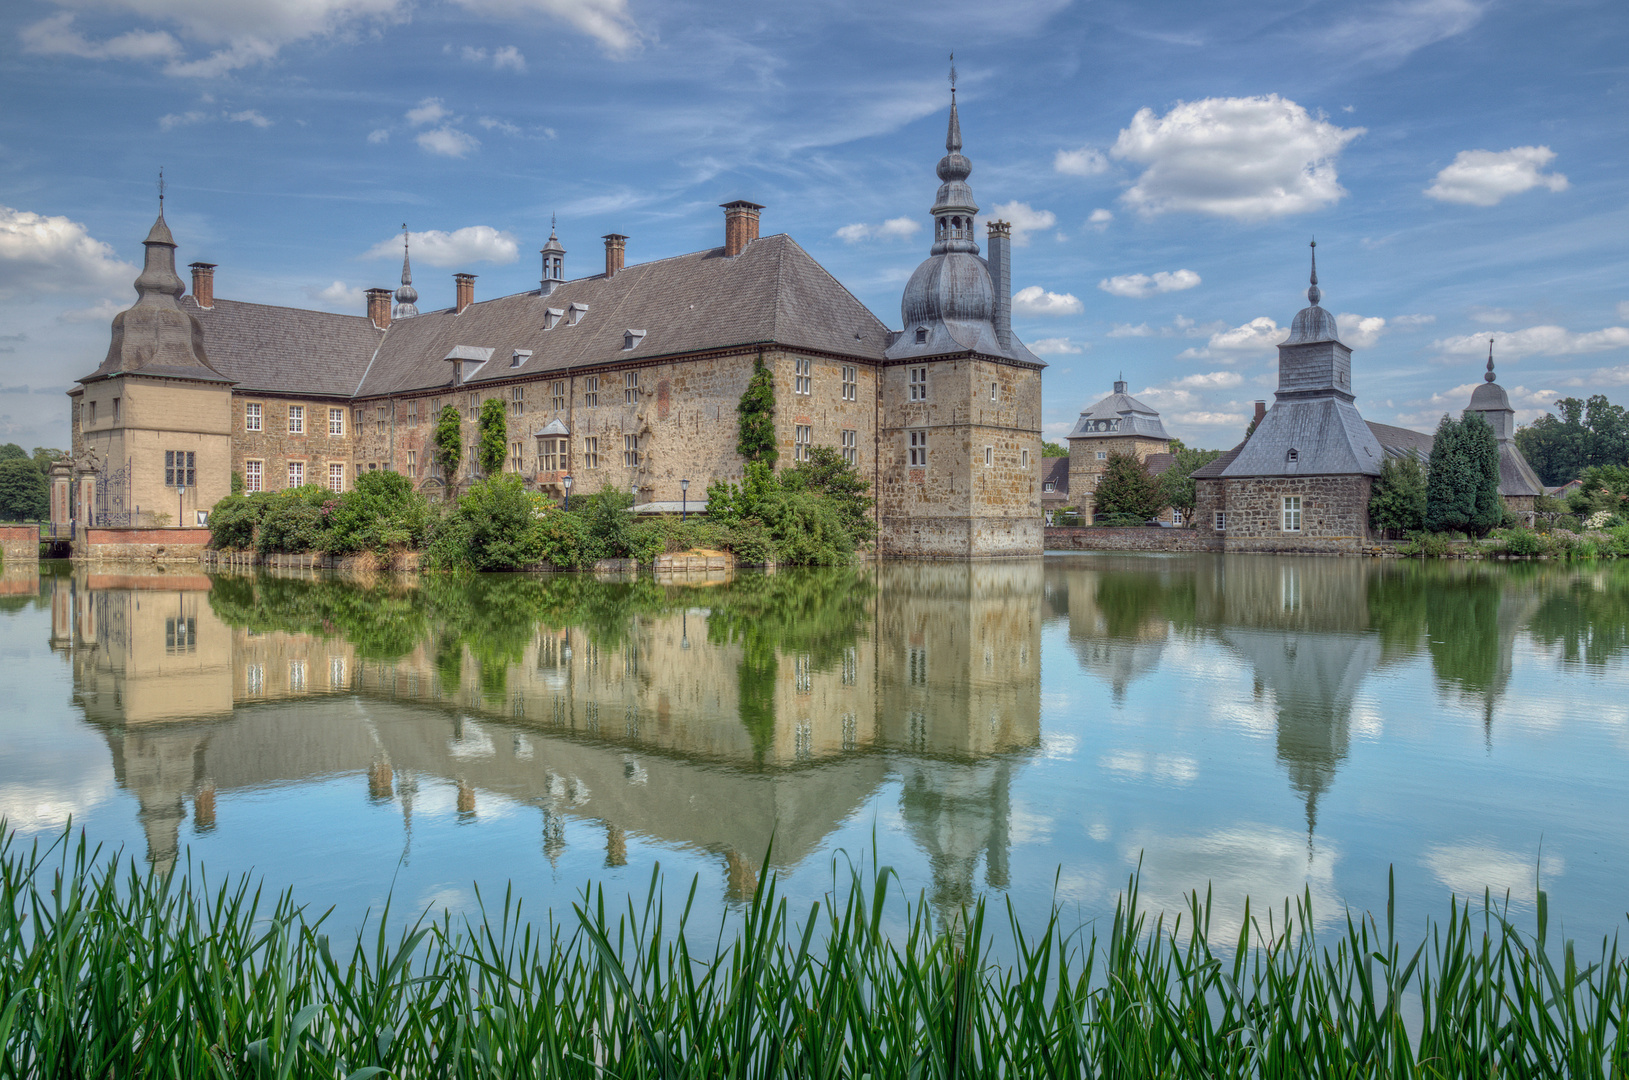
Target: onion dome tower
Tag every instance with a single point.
(406, 296)
(1518, 483)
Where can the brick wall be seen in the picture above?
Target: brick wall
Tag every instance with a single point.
(274, 445)
(1131, 539)
(19, 544)
(141, 545)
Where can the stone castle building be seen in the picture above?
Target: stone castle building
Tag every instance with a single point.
(626, 379)
(1519, 485)
(1118, 423)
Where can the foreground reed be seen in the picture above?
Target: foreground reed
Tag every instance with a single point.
(109, 972)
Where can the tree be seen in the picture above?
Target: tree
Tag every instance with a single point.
(494, 437)
(1462, 487)
(12, 452)
(25, 495)
(1126, 490)
(448, 442)
(1052, 449)
(1176, 483)
(1398, 500)
(1586, 433)
(756, 410)
(826, 474)
(44, 456)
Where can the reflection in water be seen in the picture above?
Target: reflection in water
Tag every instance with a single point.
(713, 716)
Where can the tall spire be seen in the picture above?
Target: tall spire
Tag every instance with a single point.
(954, 210)
(406, 296)
(1489, 376)
(1313, 293)
(953, 137)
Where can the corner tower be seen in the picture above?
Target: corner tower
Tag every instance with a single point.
(959, 438)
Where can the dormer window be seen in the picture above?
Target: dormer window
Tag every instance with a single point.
(575, 313)
(631, 339)
(1291, 454)
(519, 357)
(552, 317)
(921, 335)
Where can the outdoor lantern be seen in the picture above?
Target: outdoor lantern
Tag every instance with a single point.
(566, 483)
(684, 496)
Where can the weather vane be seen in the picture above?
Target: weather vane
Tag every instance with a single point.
(952, 73)
(161, 189)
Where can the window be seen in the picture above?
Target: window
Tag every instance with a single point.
(918, 449)
(336, 476)
(851, 449)
(296, 676)
(1023, 458)
(554, 455)
(591, 452)
(630, 451)
(296, 419)
(412, 464)
(630, 388)
(93, 412)
(851, 383)
(631, 339)
(558, 398)
(251, 416)
(254, 679)
(1176, 516)
(989, 456)
(178, 469)
(1048, 485)
(1221, 520)
(803, 436)
(475, 406)
(919, 384)
(517, 400)
(802, 380)
(514, 456)
(356, 418)
(921, 335)
(413, 413)
(1102, 455)
(296, 473)
(1292, 513)
(383, 416)
(591, 390)
(254, 476)
(1291, 455)
(180, 635)
(995, 392)
(336, 672)
(115, 410)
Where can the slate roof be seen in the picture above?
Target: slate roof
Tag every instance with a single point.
(1326, 434)
(1402, 442)
(1215, 466)
(774, 292)
(281, 350)
(1516, 477)
(1055, 471)
(1159, 463)
(1135, 418)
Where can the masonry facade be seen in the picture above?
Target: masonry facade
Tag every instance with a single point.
(626, 379)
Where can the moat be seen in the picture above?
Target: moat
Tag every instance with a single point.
(1032, 729)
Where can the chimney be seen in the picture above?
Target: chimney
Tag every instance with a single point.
(464, 285)
(1261, 411)
(740, 226)
(615, 244)
(203, 284)
(379, 307)
(1000, 261)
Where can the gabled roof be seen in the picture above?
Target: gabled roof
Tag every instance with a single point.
(1214, 467)
(1402, 442)
(281, 350)
(1159, 463)
(1055, 471)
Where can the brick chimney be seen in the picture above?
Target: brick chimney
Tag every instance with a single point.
(1261, 410)
(464, 285)
(379, 307)
(203, 284)
(740, 226)
(999, 250)
(615, 246)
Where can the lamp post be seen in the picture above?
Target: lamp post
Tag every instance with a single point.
(565, 482)
(684, 497)
(180, 504)
(633, 489)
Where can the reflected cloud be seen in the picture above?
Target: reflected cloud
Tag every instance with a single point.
(1469, 869)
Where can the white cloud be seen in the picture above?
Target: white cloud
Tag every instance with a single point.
(1056, 346)
(1127, 330)
(339, 296)
(1413, 320)
(249, 116)
(171, 121)
(1024, 220)
(1203, 418)
(492, 123)
(100, 312)
(433, 247)
(1246, 158)
(1142, 286)
(1100, 219)
(900, 228)
(379, 135)
(1260, 335)
(1534, 341)
(1391, 31)
(53, 254)
(1360, 331)
(57, 36)
(428, 111)
(1486, 177)
(447, 141)
(607, 21)
(1034, 300)
(1083, 162)
(504, 58)
(1210, 380)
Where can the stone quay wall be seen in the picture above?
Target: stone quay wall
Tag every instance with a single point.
(1134, 538)
(141, 545)
(19, 544)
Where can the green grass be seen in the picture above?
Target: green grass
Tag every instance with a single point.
(109, 971)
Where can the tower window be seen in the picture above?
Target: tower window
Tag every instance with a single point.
(851, 385)
(995, 391)
(919, 384)
(918, 446)
(921, 335)
(178, 468)
(989, 456)
(1023, 457)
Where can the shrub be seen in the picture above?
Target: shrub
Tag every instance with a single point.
(1119, 520)
(1398, 501)
(233, 520)
(826, 474)
(1524, 542)
(563, 537)
(1617, 543)
(749, 541)
(381, 513)
(295, 520)
(495, 526)
(608, 524)
(1425, 545)
(493, 446)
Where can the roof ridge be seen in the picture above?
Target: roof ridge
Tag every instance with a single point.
(801, 250)
(189, 298)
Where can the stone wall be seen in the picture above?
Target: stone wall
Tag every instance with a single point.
(1131, 539)
(19, 544)
(141, 545)
(1085, 466)
(315, 446)
(1334, 512)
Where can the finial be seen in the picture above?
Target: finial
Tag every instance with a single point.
(1313, 293)
(1489, 376)
(551, 225)
(952, 73)
(953, 137)
(161, 191)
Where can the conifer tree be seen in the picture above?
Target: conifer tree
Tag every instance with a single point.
(1462, 488)
(494, 437)
(1398, 501)
(1125, 490)
(757, 412)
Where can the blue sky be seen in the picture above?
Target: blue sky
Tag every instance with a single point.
(1461, 162)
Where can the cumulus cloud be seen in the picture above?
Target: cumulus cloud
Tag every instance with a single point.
(900, 228)
(54, 254)
(1394, 30)
(447, 141)
(1259, 335)
(1034, 300)
(1083, 162)
(433, 247)
(1100, 219)
(1142, 286)
(1247, 158)
(1534, 341)
(100, 312)
(339, 296)
(1056, 346)
(606, 21)
(249, 116)
(504, 58)
(429, 111)
(1486, 177)
(1024, 220)
(1360, 331)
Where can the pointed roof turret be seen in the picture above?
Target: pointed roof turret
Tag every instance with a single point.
(406, 296)
(554, 260)
(1313, 323)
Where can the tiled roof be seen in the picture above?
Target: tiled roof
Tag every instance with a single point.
(1159, 463)
(772, 293)
(1516, 477)
(1134, 418)
(1325, 434)
(1055, 471)
(1400, 442)
(284, 350)
(1215, 466)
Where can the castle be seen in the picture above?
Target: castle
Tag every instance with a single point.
(626, 379)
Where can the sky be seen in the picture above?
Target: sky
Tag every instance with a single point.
(1461, 164)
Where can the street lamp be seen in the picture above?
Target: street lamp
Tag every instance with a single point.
(180, 504)
(633, 489)
(684, 496)
(565, 482)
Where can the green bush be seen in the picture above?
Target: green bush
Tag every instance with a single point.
(608, 525)
(1119, 520)
(1617, 543)
(295, 520)
(382, 514)
(495, 526)
(749, 541)
(1425, 545)
(1524, 542)
(563, 537)
(233, 520)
